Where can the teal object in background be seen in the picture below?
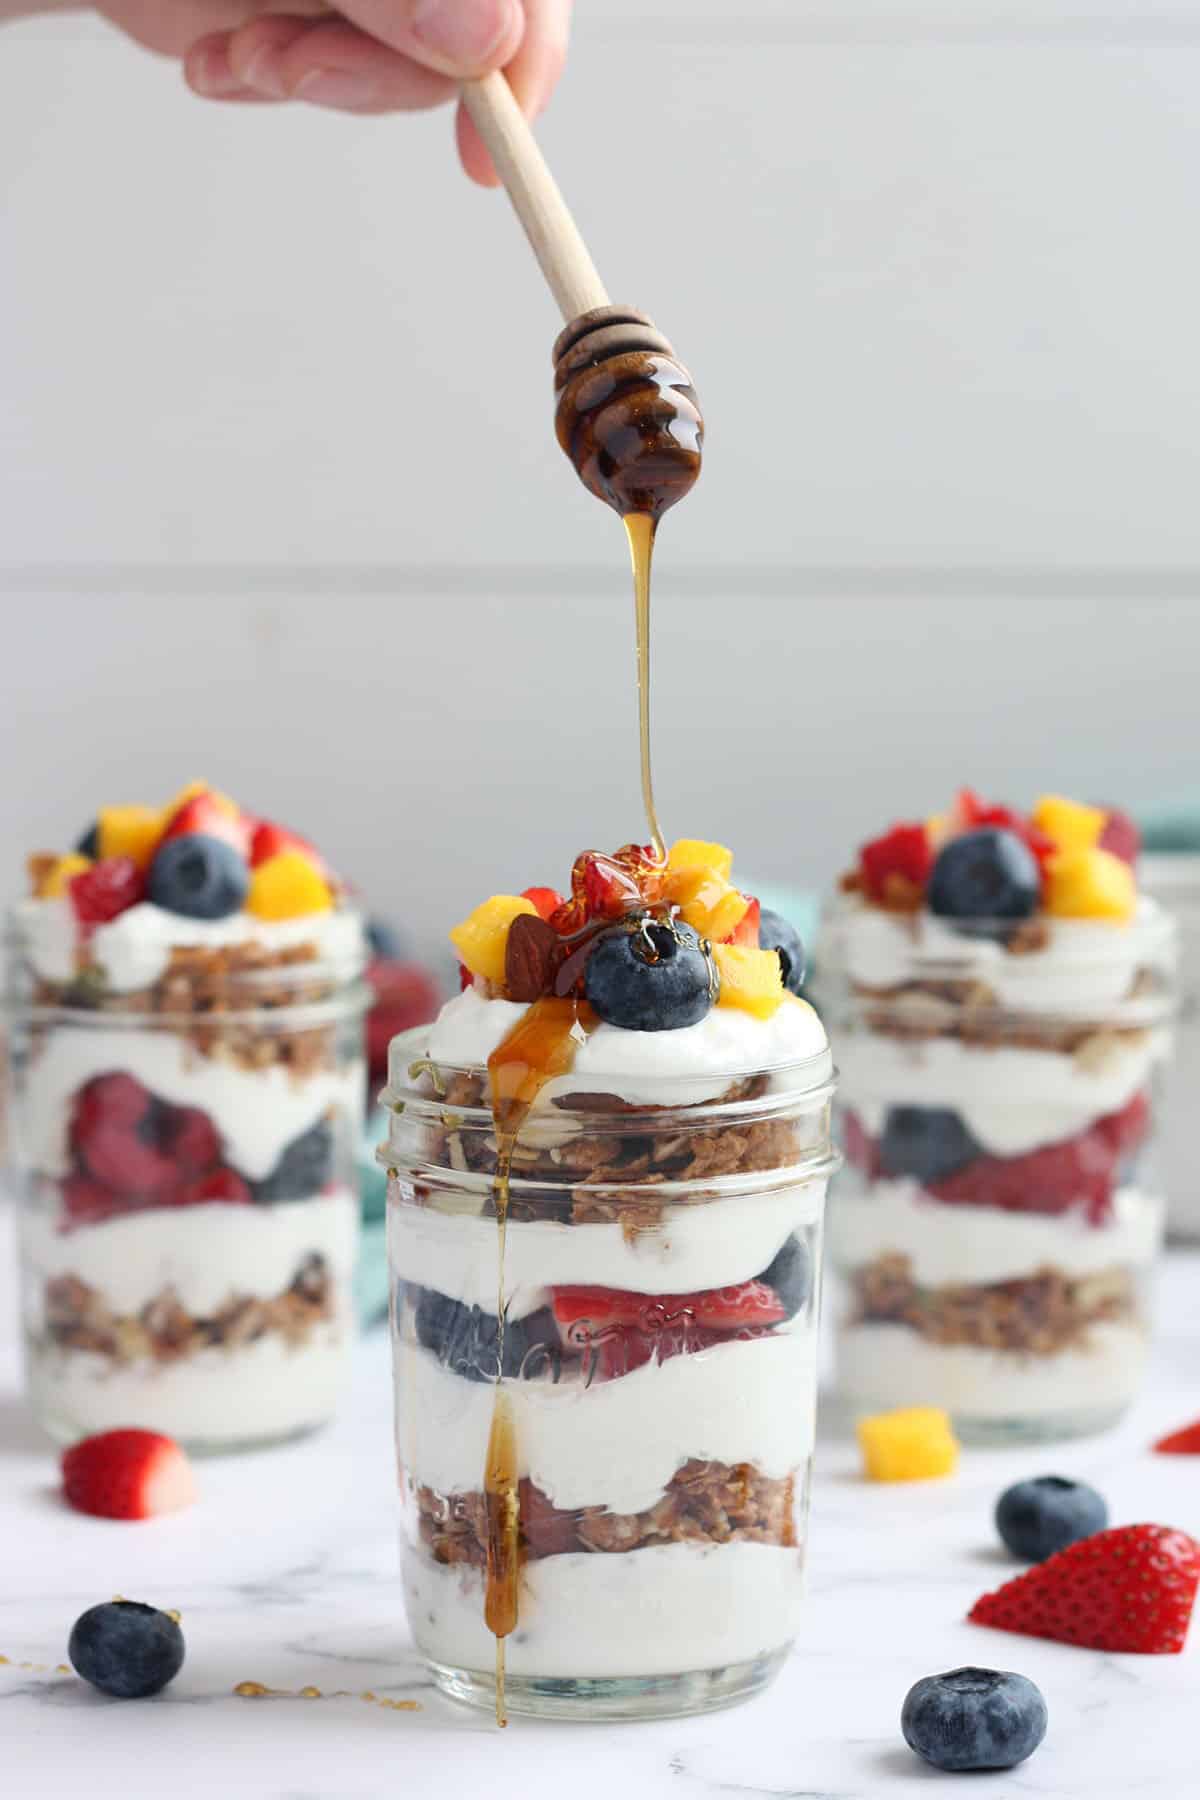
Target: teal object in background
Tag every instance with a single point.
(1172, 831)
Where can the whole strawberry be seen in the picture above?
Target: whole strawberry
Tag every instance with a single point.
(127, 1474)
(1128, 1589)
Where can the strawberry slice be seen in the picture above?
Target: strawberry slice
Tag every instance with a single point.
(1131, 1588)
(106, 890)
(1121, 836)
(224, 1185)
(749, 1303)
(1181, 1443)
(745, 932)
(267, 840)
(620, 1349)
(127, 1474)
(545, 901)
(88, 1202)
(970, 813)
(1053, 1179)
(190, 1138)
(210, 815)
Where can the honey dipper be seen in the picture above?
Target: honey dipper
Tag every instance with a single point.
(627, 413)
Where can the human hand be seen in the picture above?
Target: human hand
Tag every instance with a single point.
(359, 56)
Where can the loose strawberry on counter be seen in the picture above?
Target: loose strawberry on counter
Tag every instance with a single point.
(127, 1474)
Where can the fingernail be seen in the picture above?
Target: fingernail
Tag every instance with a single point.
(335, 87)
(262, 74)
(464, 35)
(210, 74)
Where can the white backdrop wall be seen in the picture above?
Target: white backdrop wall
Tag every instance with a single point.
(280, 502)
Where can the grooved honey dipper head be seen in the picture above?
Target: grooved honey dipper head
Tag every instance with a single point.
(627, 413)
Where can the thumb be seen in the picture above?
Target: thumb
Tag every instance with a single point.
(456, 37)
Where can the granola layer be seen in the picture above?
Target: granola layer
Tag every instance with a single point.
(1040, 1314)
(79, 1318)
(704, 1503)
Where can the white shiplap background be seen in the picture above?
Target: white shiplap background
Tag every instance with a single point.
(280, 501)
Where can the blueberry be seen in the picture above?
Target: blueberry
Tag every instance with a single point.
(649, 977)
(385, 940)
(305, 1167)
(201, 877)
(985, 874)
(790, 1274)
(1036, 1518)
(126, 1649)
(779, 934)
(89, 843)
(925, 1142)
(465, 1339)
(974, 1719)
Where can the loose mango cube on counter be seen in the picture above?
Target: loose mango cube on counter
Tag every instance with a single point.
(1090, 884)
(914, 1443)
(482, 938)
(751, 980)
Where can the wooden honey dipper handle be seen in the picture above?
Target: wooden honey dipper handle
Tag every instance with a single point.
(537, 202)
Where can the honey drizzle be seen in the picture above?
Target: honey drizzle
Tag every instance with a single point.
(640, 528)
(540, 1046)
(257, 1690)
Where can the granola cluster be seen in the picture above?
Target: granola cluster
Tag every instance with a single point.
(79, 1318)
(969, 1011)
(704, 1503)
(1040, 1314)
(611, 1175)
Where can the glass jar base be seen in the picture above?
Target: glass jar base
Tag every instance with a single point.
(66, 1433)
(629, 1697)
(1045, 1428)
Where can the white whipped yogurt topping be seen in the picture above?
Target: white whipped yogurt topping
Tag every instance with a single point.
(257, 1112)
(616, 1443)
(977, 1245)
(888, 1365)
(693, 1064)
(1011, 1100)
(655, 1611)
(208, 1254)
(134, 949)
(1087, 967)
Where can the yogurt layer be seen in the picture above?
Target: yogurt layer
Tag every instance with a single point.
(657, 1611)
(1085, 971)
(617, 1443)
(977, 1245)
(1012, 1100)
(256, 1111)
(883, 1366)
(208, 1254)
(135, 948)
(684, 1067)
(695, 1247)
(265, 1389)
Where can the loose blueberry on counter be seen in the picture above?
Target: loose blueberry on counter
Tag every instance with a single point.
(126, 1649)
(465, 1338)
(649, 977)
(971, 1719)
(305, 1167)
(925, 1142)
(198, 876)
(1039, 1517)
(790, 1274)
(89, 843)
(983, 875)
(779, 934)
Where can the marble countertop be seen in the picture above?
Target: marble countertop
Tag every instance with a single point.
(285, 1573)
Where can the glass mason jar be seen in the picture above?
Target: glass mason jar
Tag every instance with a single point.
(658, 1280)
(999, 1216)
(1174, 880)
(188, 1207)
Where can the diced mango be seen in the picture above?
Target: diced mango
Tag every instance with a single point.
(52, 885)
(286, 887)
(1090, 884)
(694, 853)
(751, 980)
(1067, 823)
(482, 939)
(131, 831)
(915, 1443)
(708, 903)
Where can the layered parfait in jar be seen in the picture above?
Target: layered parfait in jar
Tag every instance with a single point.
(608, 1160)
(1000, 994)
(188, 1095)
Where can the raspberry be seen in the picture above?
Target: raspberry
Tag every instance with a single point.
(219, 1184)
(106, 890)
(545, 900)
(190, 1138)
(1126, 1129)
(970, 812)
(1121, 836)
(117, 1156)
(115, 1099)
(895, 867)
(609, 887)
(1052, 1179)
(86, 1202)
